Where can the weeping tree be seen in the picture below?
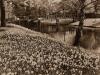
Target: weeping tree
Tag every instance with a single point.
(2, 7)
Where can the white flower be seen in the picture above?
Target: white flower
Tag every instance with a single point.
(34, 63)
(3, 74)
(10, 73)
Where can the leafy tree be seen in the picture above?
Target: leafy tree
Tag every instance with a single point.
(21, 9)
(28, 9)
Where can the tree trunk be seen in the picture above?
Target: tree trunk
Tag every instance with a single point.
(3, 21)
(81, 23)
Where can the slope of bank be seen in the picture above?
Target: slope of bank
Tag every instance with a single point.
(26, 52)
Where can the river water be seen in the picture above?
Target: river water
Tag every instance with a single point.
(65, 37)
(87, 41)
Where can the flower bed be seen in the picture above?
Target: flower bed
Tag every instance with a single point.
(24, 54)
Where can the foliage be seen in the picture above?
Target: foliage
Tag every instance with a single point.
(21, 9)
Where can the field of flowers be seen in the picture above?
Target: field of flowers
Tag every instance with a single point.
(23, 52)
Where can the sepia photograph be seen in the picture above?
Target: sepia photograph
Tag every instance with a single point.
(49, 37)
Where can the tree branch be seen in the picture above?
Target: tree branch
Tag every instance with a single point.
(89, 4)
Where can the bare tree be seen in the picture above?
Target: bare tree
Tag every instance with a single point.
(81, 22)
(3, 20)
(81, 19)
(95, 5)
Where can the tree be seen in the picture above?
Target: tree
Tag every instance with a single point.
(77, 8)
(3, 20)
(81, 22)
(95, 5)
(21, 9)
(70, 7)
(29, 8)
